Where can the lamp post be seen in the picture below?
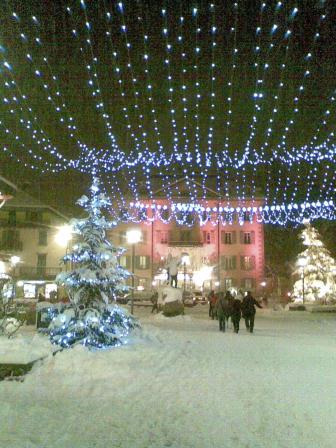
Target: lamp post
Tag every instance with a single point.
(133, 237)
(63, 237)
(302, 262)
(185, 261)
(14, 260)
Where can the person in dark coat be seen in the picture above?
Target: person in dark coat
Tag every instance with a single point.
(236, 313)
(224, 309)
(212, 304)
(154, 300)
(248, 309)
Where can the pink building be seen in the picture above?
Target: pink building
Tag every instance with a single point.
(220, 245)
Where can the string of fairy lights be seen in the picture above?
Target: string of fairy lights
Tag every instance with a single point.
(165, 87)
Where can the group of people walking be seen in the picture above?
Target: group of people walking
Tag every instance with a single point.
(225, 306)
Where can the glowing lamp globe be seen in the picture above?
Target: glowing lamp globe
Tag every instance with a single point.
(133, 236)
(64, 235)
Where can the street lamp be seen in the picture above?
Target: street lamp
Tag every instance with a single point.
(64, 235)
(302, 262)
(62, 238)
(133, 237)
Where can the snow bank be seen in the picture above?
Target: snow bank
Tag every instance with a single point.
(24, 348)
(183, 384)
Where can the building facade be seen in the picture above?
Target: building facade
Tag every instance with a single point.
(28, 232)
(213, 253)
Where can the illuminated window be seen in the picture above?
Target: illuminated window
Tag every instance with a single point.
(247, 262)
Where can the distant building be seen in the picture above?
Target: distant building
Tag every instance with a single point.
(220, 254)
(27, 230)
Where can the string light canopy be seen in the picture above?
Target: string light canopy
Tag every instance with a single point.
(229, 96)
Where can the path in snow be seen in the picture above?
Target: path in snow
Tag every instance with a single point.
(183, 384)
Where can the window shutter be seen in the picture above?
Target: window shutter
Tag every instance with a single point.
(147, 261)
(223, 237)
(234, 237)
(137, 261)
(128, 262)
(241, 237)
(234, 262)
(242, 266)
(223, 257)
(252, 237)
(122, 237)
(243, 283)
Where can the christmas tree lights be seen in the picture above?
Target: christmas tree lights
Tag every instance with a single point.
(316, 270)
(93, 284)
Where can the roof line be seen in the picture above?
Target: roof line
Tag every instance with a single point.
(8, 182)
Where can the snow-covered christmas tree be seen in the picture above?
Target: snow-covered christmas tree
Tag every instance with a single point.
(317, 273)
(93, 284)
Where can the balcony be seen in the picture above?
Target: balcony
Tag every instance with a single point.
(15, 246)
(37, 273)
(179, 243)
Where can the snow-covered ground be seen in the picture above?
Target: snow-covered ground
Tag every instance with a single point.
(181, 384)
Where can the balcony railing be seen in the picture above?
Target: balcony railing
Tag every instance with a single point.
(185, 243)
(37, 272)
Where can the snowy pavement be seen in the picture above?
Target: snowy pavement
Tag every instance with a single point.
(182, 384)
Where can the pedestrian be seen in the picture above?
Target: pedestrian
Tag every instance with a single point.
(173, 265)
(212, 304)
(224, 309)
(236, 313)
(248, 310)
(154, 300)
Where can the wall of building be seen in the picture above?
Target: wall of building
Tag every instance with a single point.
(237, 260)
(34, 242)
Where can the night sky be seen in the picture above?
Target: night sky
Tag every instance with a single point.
(130, 114)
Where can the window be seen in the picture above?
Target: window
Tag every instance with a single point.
(142, 261)
(43, 238)
(12, 217)
(11, 240)
(41, 264)
(208, 237)
(124, 261)
(122, 237)
(162, 236)
(228, 283)
(248, 283)
(228, 262)
(247, 237)
(185, 236)
(247, 262)
(246, 216)
(143, 236)
(164, 214)
(228, 237)
(33, 216)
(142, 214)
